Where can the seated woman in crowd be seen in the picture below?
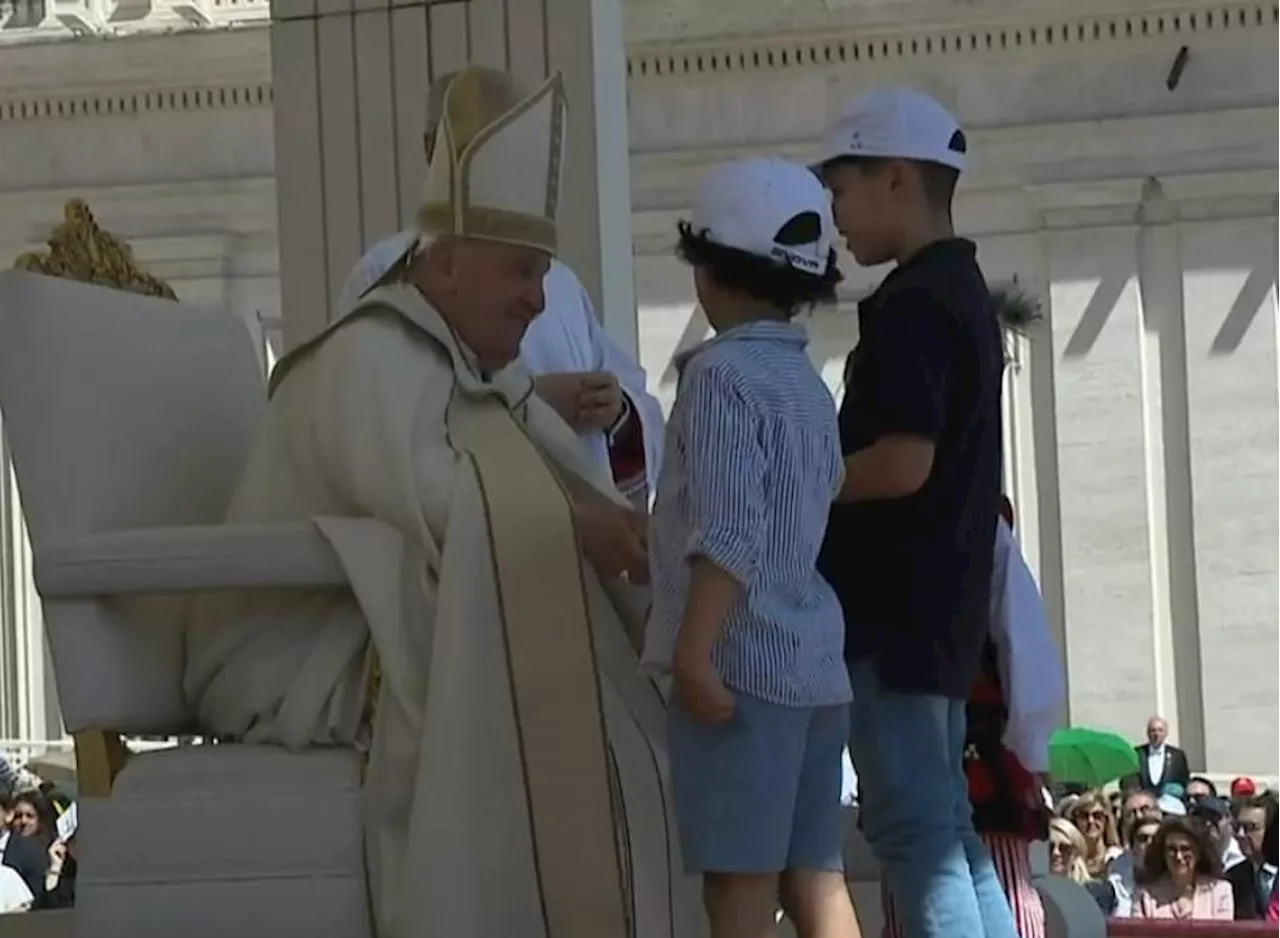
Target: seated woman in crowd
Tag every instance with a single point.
(1182, 876)
(1067, 849)
(1125, 871)
(1092, 816)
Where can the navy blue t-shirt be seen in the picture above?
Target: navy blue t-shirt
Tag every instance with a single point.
(914, 574)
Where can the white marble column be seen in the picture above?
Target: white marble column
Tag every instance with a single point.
(1036, 482)
(28, 696)
(350, 83)
(1167, 447)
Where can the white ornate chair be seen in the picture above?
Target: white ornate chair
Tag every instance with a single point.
(128, 418)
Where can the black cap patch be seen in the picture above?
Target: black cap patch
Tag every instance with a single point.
(958, 143)
(804, 228)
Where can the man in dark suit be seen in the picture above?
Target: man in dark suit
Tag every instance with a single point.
(1254, 878)
(1158, 762)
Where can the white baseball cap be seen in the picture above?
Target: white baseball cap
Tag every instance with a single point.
(768, 207)
(896, 123)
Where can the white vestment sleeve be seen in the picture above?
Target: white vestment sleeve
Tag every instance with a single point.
(634, 383)
(1031, 669)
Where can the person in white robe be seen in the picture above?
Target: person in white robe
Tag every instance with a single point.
(486, 652)
(597, 389)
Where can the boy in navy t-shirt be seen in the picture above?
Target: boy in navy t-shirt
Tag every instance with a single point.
(911, 538)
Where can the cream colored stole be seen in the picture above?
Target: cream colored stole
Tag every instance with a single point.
(555, 679)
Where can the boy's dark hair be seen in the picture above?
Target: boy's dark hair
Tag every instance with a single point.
(939, 182)
(783, 287)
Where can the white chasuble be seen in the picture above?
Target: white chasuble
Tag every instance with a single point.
(516, 783)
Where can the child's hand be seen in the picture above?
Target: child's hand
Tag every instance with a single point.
(701, 691)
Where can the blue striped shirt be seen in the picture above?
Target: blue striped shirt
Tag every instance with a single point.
(752, 462)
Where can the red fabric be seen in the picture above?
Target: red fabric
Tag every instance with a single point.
(1243, 787)
(1273, 910)
(626, 452)
(1013, 869)
(1006, 798)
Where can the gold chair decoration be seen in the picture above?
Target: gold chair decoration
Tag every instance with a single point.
(80, 249)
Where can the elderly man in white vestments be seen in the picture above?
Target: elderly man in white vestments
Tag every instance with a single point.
(515, 782)
(591, 383)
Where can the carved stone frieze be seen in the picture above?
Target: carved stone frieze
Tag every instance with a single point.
(681, 20)
(788, 45)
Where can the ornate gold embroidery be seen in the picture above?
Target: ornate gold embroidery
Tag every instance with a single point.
(80, 249)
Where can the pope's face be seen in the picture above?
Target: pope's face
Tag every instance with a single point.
(494, 291)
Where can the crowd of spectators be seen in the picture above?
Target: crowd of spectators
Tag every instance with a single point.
(1177, 852)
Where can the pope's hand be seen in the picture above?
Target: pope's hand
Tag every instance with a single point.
(702, 693)
(613, 539)
(585, 400)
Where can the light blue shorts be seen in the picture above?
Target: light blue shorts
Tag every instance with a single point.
(761, 793)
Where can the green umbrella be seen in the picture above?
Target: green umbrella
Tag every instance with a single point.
(1090, 757)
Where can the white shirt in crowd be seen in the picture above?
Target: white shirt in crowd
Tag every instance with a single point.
(1155, 764)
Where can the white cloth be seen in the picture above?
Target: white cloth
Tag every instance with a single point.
(848, 780)
(1031, 669)
(566, 337)
(515, 782)
(1232, 855)
(1120, 873)
(15, 896)
(1155, 764)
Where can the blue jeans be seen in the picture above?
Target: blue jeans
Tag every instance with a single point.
(915, 812)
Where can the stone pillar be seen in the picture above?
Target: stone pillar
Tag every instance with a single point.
(1042, 527)
(1167, 446)
(28, 696)
(350, 83)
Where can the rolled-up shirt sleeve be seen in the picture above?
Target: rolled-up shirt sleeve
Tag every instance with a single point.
(725, 463)
(912, 361)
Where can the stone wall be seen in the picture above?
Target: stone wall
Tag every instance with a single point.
(1143, 414)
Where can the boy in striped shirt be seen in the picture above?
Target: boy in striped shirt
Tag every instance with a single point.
(750, 632)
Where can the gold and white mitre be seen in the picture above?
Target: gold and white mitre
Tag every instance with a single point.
(495, 170)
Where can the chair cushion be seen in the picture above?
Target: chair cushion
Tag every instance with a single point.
(209, 840)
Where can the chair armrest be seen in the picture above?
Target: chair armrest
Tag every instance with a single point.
(188, 559)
